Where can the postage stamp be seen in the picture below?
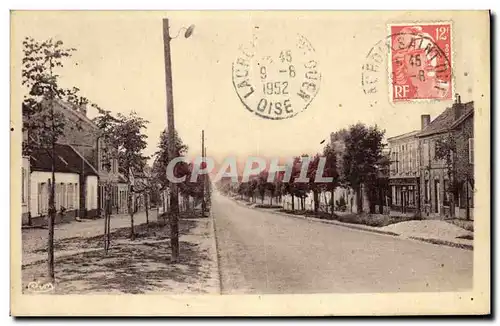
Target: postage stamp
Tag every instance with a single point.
(276, 78)
(420, 61)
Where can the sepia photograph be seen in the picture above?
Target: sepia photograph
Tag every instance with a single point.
(250, 163)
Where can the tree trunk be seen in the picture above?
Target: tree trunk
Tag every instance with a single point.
(333, 201)
(316, 201)
(467, 205)
(146, 207)
(359, 200)
(107, 221)
(109, 226)
(271, 201)
(52, 215)
(174, 225)
(293, 203)
(105, 228)
(131, 212)
(381, 201)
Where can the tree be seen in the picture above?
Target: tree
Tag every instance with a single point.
(41, 122)
(161, 157)
(363, 150)
(446, 149)
(130, 142)
(107, 123)
(331, 171)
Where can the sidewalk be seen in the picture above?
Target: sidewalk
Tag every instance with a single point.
(431, 231)
(131, 266)
(34, 240)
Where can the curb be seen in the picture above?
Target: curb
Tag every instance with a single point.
(367, 229)
(215, 248)
(346, 225)
(464, 246)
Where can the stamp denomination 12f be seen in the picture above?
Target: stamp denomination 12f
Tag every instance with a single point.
(420, 62)
(276, 77)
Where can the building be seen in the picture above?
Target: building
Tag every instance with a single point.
(438, 176)
(84, 135)
(404, 173)
(462, 131)
(71, 171)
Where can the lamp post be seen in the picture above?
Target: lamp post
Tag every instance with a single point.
(174, 191)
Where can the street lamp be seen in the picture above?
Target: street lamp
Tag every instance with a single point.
(174, 194)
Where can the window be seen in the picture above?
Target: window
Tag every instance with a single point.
(471, 150)
(397, 162)
(43, 199)
(70, 196)
(425, 153)
(64, 199)
(58, 196)
(402, 167)
(77, 194)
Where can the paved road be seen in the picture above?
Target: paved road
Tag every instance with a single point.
(262, 252)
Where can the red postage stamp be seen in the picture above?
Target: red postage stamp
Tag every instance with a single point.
(420, 62)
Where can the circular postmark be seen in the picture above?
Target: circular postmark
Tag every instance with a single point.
(419, 66)
(276, 77)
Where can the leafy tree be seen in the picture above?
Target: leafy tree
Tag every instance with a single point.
(446, 149)
(331, 171)
(161, 157)
(363, 152)
(130, 142)
(293, 188)
(107, 123)
(41, 122)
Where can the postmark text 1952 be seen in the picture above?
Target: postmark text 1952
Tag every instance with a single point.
(276, 79)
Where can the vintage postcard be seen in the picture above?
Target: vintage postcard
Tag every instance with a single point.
(250, 163)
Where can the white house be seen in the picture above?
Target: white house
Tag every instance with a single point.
(76, 181)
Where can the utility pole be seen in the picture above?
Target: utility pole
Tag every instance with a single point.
(203, 204)
(174, 192)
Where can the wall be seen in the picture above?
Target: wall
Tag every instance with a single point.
(91, 195)
(432, 170)
(81, 133)
(39, 208)
(464, 169)
(404, 157)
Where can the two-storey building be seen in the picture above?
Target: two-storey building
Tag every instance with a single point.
(404, 171)
(84, 135)
(439, 177)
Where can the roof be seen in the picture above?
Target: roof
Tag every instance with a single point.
(405, 135)
(467, 114)
(70, 108)
(446, 120)
(67, 160)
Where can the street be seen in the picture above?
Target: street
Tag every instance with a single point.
(264, 253)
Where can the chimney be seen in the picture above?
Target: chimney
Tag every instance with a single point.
(457, 107)
(425, 119)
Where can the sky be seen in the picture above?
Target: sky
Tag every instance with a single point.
(119, 64)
